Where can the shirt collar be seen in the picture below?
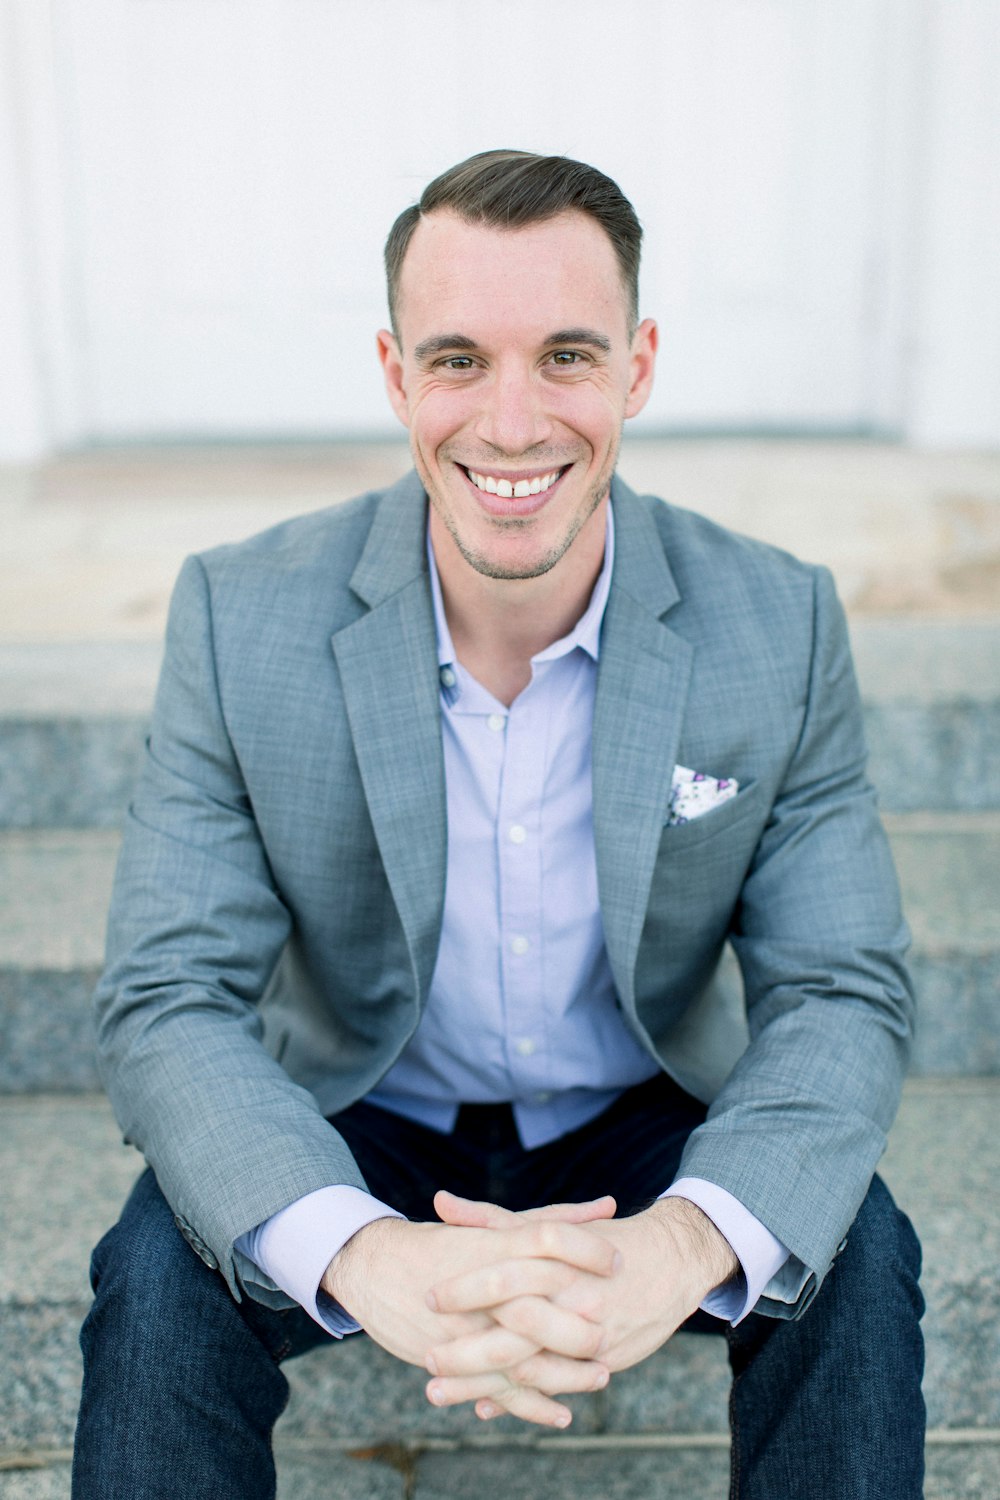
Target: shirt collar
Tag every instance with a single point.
(586, 633)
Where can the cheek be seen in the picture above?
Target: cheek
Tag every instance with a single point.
(595, 412)
(436, 416)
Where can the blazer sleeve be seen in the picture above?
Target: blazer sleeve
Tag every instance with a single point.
(195, 930)
(799, 1125)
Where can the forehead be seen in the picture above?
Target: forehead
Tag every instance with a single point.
(475, 278)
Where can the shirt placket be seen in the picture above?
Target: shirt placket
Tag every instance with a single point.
(519, 863)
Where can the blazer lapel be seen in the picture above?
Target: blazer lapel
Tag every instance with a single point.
(388, 668)
(642, 683)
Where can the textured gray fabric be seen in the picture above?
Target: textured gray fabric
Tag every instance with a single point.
(278, 900)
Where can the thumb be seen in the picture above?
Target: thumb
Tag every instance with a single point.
(451, 1209)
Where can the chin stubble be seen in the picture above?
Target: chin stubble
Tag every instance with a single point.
(487, 566)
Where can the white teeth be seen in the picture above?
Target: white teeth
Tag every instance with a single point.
(508, 490)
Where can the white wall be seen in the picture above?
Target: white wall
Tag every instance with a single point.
(24, 429)
(197, 192)
(954, 397)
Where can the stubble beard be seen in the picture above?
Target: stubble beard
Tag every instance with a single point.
(487, 566)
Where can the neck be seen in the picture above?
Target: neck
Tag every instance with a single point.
(498, 624)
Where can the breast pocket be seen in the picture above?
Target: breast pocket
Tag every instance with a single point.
(700, 867)
(726, 818)
(699, 873)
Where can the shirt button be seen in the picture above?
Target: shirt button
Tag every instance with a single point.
(496, 722)
(448, 677)
(519, 945)
(525, 1046)
(517, 834)
(543, 1097)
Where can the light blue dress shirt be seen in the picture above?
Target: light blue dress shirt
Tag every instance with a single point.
(522, 1005)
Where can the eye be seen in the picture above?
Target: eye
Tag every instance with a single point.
(566, 358)
(457, 362)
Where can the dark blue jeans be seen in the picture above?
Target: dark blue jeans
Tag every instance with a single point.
(183, 1386)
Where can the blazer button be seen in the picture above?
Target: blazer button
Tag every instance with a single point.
(197, 1243)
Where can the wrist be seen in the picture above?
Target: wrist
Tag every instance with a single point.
(354, 1267)
(704, 1248)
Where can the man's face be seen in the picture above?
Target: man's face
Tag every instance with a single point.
(514, 373)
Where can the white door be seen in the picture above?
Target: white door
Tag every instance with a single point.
(234, 165)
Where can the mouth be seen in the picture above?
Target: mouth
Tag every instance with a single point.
(518, 493)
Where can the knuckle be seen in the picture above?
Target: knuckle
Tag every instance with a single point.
(590, 1306)
(519, 1314)
(549, 1238)
(530, 1374)
(496, 1285)
(509, 1349)
(526, 1401)
(592, 1340)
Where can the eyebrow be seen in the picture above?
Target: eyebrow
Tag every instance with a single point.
(442, 341)
(581, 336)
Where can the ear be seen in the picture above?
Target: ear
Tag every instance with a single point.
(391, 358)
(642, 363)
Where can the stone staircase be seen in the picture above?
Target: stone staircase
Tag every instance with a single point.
(74, 697)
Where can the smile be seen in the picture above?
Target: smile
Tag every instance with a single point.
(516, 489)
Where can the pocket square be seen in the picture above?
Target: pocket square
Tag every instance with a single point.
(692, 793)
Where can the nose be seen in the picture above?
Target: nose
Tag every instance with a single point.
(513, 418)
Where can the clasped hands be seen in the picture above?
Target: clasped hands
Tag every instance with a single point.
(509, 1310)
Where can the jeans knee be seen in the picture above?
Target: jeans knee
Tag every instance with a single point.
(142, 1271)
(883, 1249)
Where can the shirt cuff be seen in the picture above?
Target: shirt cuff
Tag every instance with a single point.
(295, 1246)
(760, 1254)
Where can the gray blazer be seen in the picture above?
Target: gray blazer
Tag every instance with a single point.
(278, 899)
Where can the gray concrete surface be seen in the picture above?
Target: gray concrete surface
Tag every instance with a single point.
(93, 541)
(961, 1471)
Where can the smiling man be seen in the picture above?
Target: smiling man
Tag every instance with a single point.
(454, 797)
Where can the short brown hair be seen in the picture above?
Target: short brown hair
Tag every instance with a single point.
(509, 189)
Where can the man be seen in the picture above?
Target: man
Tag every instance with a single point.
(453, 797)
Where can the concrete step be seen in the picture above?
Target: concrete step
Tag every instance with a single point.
(955, 1471)
(73, 715)
(612, 1471)
(55, 884)
(93, 540)
(658, 1430)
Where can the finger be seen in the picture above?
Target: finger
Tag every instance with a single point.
(460, 1367)
(554, 1376)
(488, 1286)
(496, 1396)
(537, 1321)
(547, 1326)
(468, 1213)
(567, 1245)
(522, 1329)
(490, 1353)
(576, 1244)
(573, 1213)
(487, 1410)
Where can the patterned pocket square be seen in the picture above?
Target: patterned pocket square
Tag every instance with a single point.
(692, 793)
